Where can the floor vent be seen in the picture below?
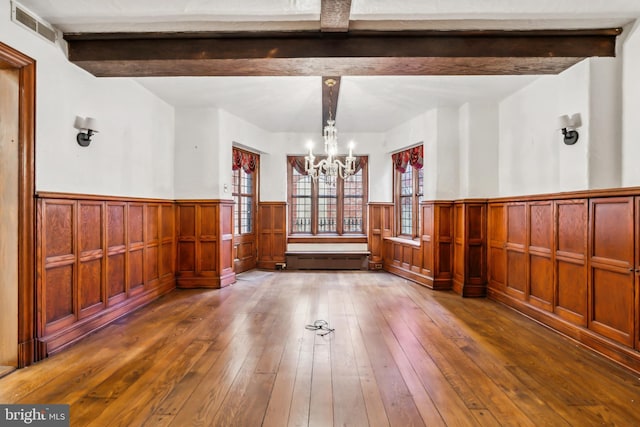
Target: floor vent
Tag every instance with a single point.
(22, 16)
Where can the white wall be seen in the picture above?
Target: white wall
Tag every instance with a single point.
(605, 124)
(532, 156)
(133, 153)
(631, 106)
(478, 129)
(197, 154)
(438, 131)
(448, 157)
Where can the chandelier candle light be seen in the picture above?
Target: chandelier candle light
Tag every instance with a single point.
(330, 165)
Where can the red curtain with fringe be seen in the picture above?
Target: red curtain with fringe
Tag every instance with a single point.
(247, 161)
(413, 157)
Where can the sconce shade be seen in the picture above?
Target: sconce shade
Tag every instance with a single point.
(563, 122)
(88, 125)
(568, 126)
(576, 121)
(91, 123)
(79, 123)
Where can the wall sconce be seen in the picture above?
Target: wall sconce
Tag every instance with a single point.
(568, 126)
(87, 127)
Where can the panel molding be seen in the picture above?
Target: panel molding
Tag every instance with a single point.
(271, 234)
(381, 221)
(97, 260)
(470, 248)
(581, 269)
(204, 243)
(428, 261)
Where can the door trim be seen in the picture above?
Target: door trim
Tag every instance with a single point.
(26, 67)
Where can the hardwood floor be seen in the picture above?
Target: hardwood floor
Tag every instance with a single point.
(401, 355)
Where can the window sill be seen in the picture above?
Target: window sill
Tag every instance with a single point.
(404, 241)
(347, 238)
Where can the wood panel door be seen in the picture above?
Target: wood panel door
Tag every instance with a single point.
(611, 276)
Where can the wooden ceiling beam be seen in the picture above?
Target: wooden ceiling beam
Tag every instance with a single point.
(334, 15)
(322, 54)
(330, 98)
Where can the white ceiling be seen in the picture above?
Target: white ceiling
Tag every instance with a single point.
(366, 104)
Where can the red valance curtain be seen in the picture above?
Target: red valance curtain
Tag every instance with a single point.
(247, 161)
(411, 156)
(297, 162)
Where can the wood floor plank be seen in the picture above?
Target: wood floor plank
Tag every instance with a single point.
(399, 405)
(401, 355)
(484, 391)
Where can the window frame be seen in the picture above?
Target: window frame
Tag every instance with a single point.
(416, 199)
(236, 175)
(339, 233)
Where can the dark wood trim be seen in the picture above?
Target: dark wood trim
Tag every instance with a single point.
(78, 196)
(334, 15)
(330, 53)
(26, 206)
(605, 192)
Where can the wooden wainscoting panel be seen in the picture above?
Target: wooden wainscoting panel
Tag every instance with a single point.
(167, 239)
(208, 258)
(186, 239)
(429, 260)
(595, 265)
(56, 265)
(516, 250)
(205, 243)
(271, 234)
(571, 260)
(91, 264)
(469, 258)
(427, 239)
(91, 281)
(152, 245)
(135, 259)
(497, 235)
(637, 273)
(207, 232)
(225, 252)
(458, 248)
(116, 252)
(541, 254)
(444, 255)
(611, 279)
(59, 297)
(186, 256)
(244, 252)
(380, 221)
